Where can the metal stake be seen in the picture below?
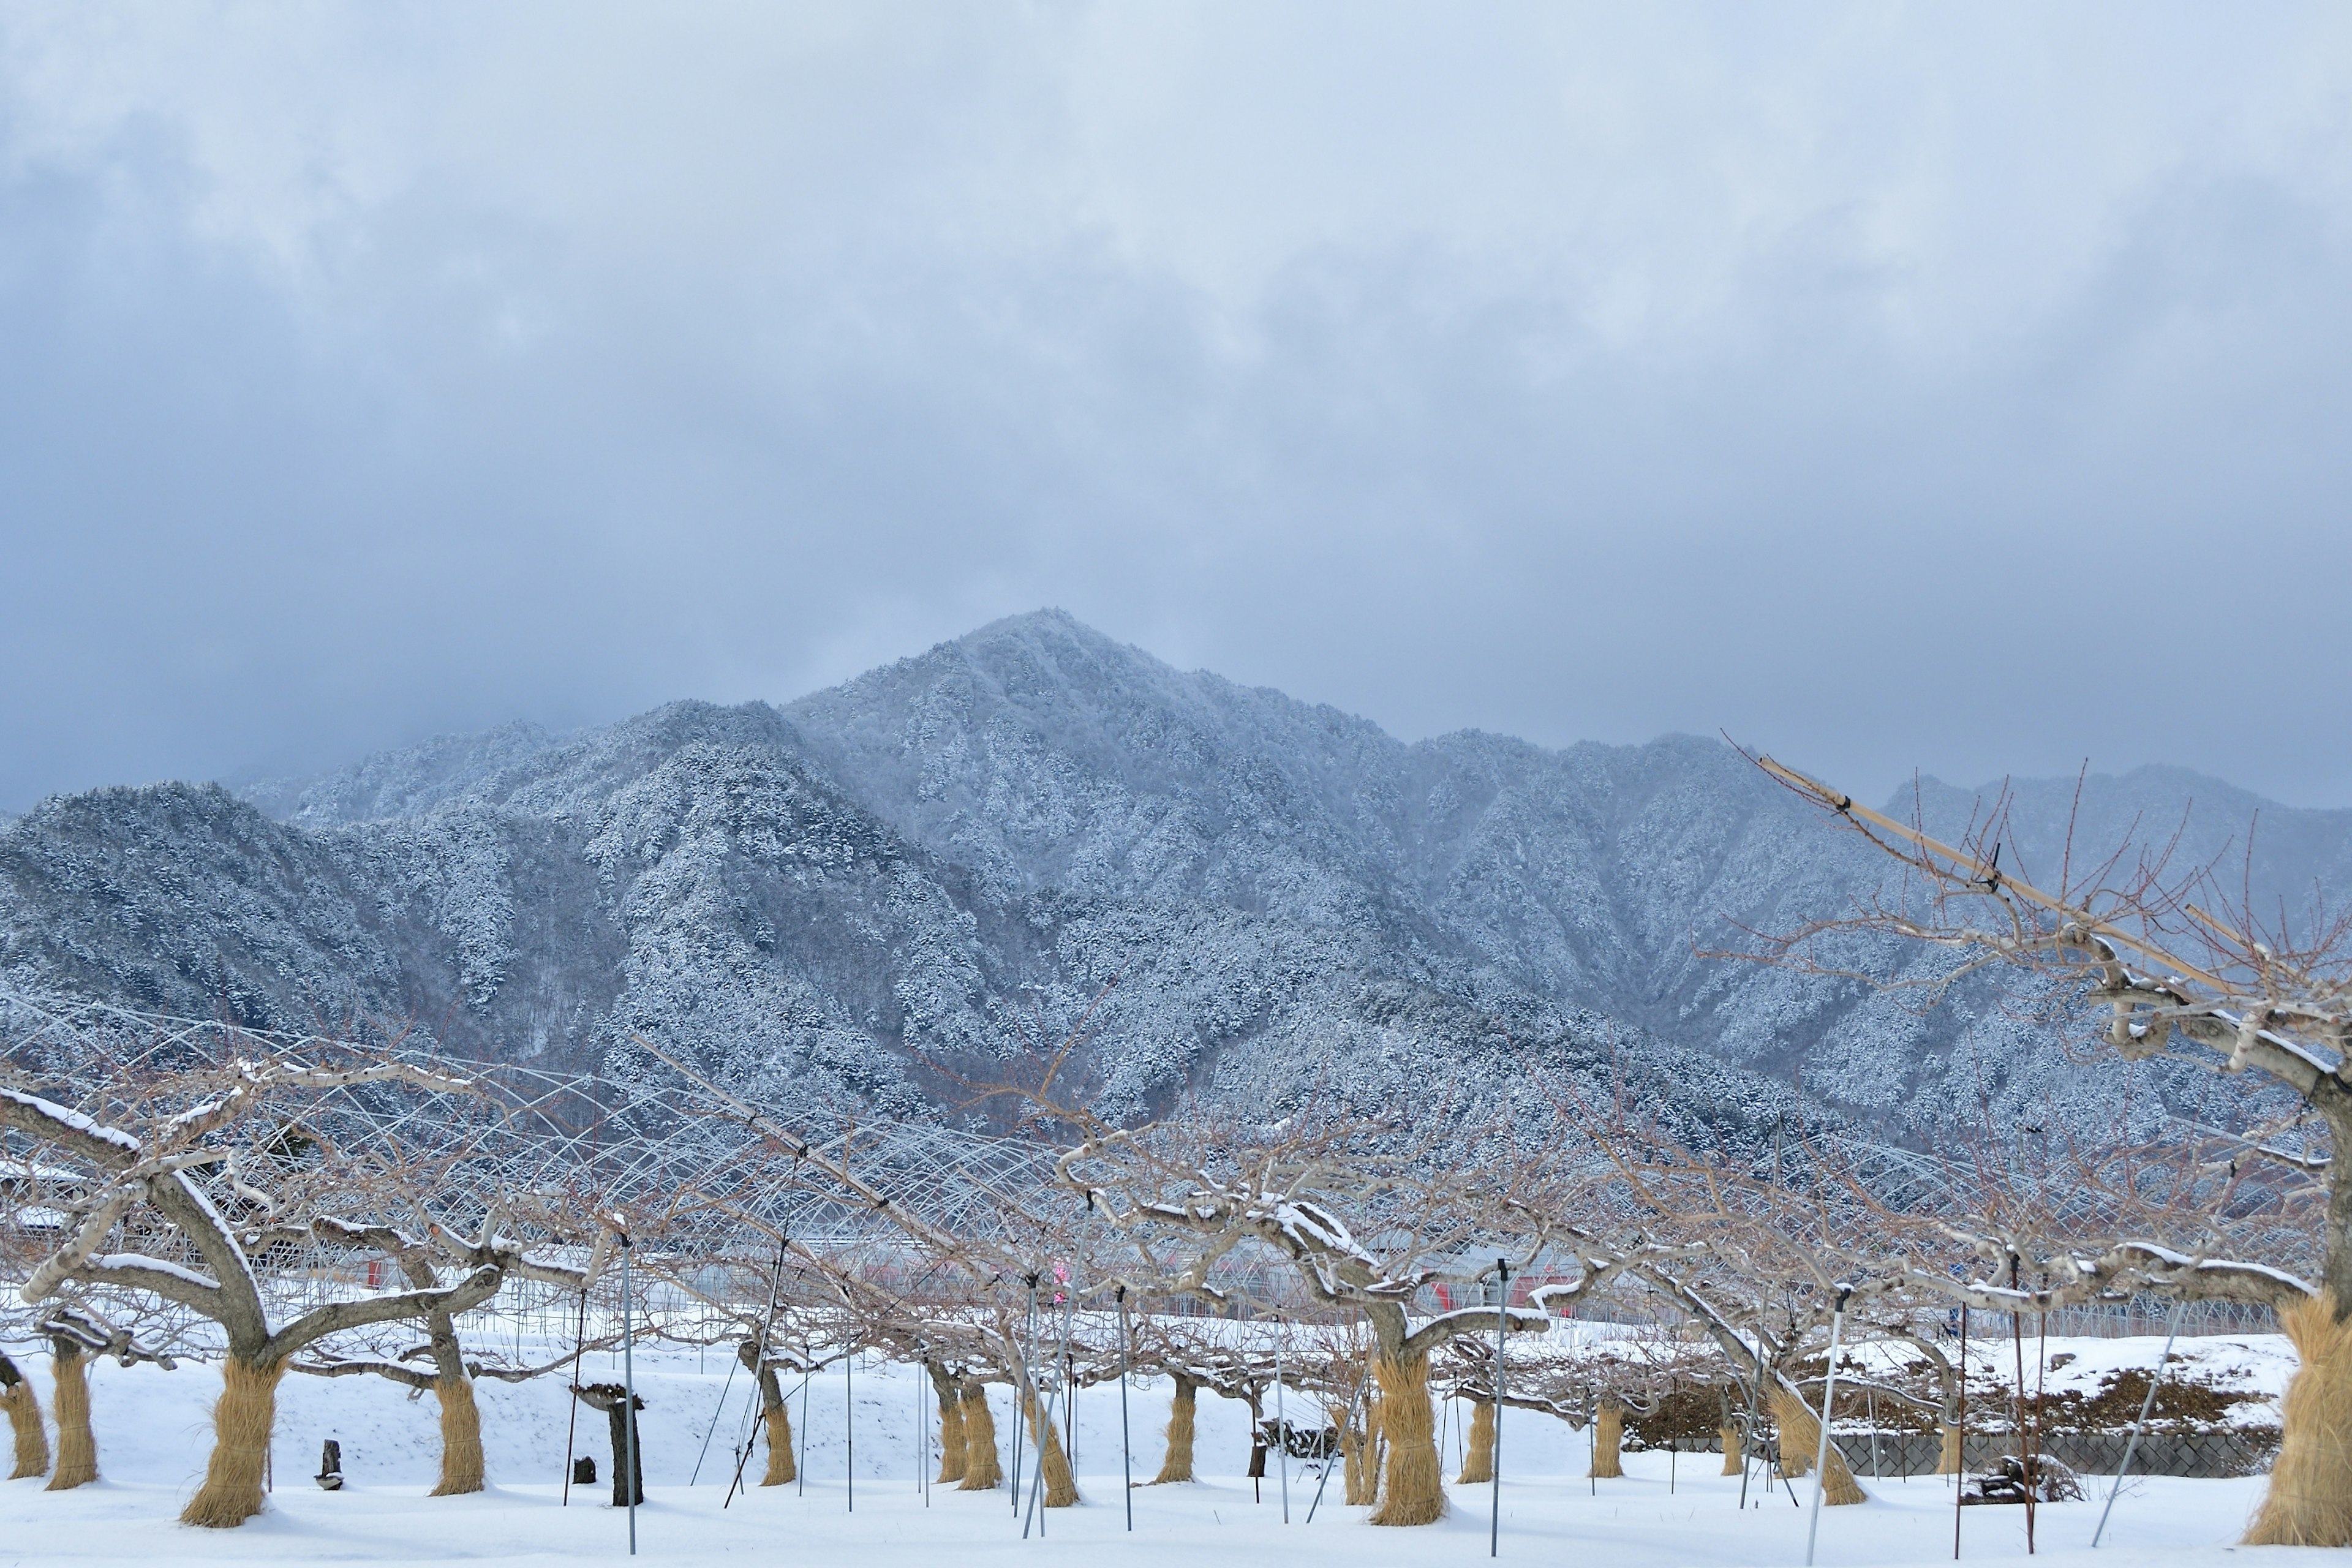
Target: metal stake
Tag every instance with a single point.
(1281, 1421)
(628, 1395)
(1829, 1396)
(2131, 1445)
(1126, 1464)
(1502, 1324)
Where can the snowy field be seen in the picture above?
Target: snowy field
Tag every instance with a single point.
(153, 1433)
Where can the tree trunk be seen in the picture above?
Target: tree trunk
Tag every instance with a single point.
(1731, 1454)
(461, 1418)
(1177, 1463)
(24, 1422)
(1478, 1457)
(776, 1416)
(1947, 1461)
(461, 1436)
(1414, 1489)
(1800, 1435)
(1608, 1439)
(243, 1420)
(2310, 1499)
(1061, 1489)
(984, 1471)
(950, 1425)
(619, 1418)
(69, 1404)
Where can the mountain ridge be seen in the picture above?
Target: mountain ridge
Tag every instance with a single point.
(1241, 893)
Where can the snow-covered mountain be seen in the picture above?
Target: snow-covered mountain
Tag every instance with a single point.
(948, 858)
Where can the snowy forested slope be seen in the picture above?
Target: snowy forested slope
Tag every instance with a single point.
(960, 847)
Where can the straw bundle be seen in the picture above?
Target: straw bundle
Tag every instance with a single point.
(77, 1444)
(1416, 1488)
(1478, 1458)
(951, 1433)
(1800, 1435)
(24, 1421)
(1177, 1465)
(983, 1472)
(1608, 1441)
(2310, 1499)
(782, 1469)
(461, 1436)
(243, 1418)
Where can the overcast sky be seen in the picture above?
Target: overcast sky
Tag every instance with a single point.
(1893, 386)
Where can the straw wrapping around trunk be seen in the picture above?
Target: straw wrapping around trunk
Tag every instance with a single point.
(69, 1404)
(1608, 1442)
(1731, 1454)
(782, 1469)
(1801, 1434)
(461, 1437)
(982, 1470)
(1948, 1459)
(2310, 1499)
(243, 1419)
(1478, 1454)
(1414, 1489)
(1061, 1487)
(952, 1437)
(1176, 1465)
(25, 1424)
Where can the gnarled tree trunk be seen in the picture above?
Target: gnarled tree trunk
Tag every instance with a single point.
(621, 1426)
(950, 1424)
(25, 1424)
(70, 1404)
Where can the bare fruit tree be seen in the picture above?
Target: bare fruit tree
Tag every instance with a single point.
(2148, 962)
(179, 1178)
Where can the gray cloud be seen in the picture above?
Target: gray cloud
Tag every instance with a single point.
(1893, 387)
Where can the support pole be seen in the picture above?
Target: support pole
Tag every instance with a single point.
(1961, 1475)
(2131, 1445)
(1281, 1420)
(1044, 1408)
(579, 1347)
(629, 1395)
(1024, 1391)
(1126, 1463)
(1502, 1326)
(849, 1427)
(767, 1328)
(2024, 1446)
(1829, 1400)
(1748, 1436)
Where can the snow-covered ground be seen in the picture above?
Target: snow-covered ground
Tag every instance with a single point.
(153, 1433)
